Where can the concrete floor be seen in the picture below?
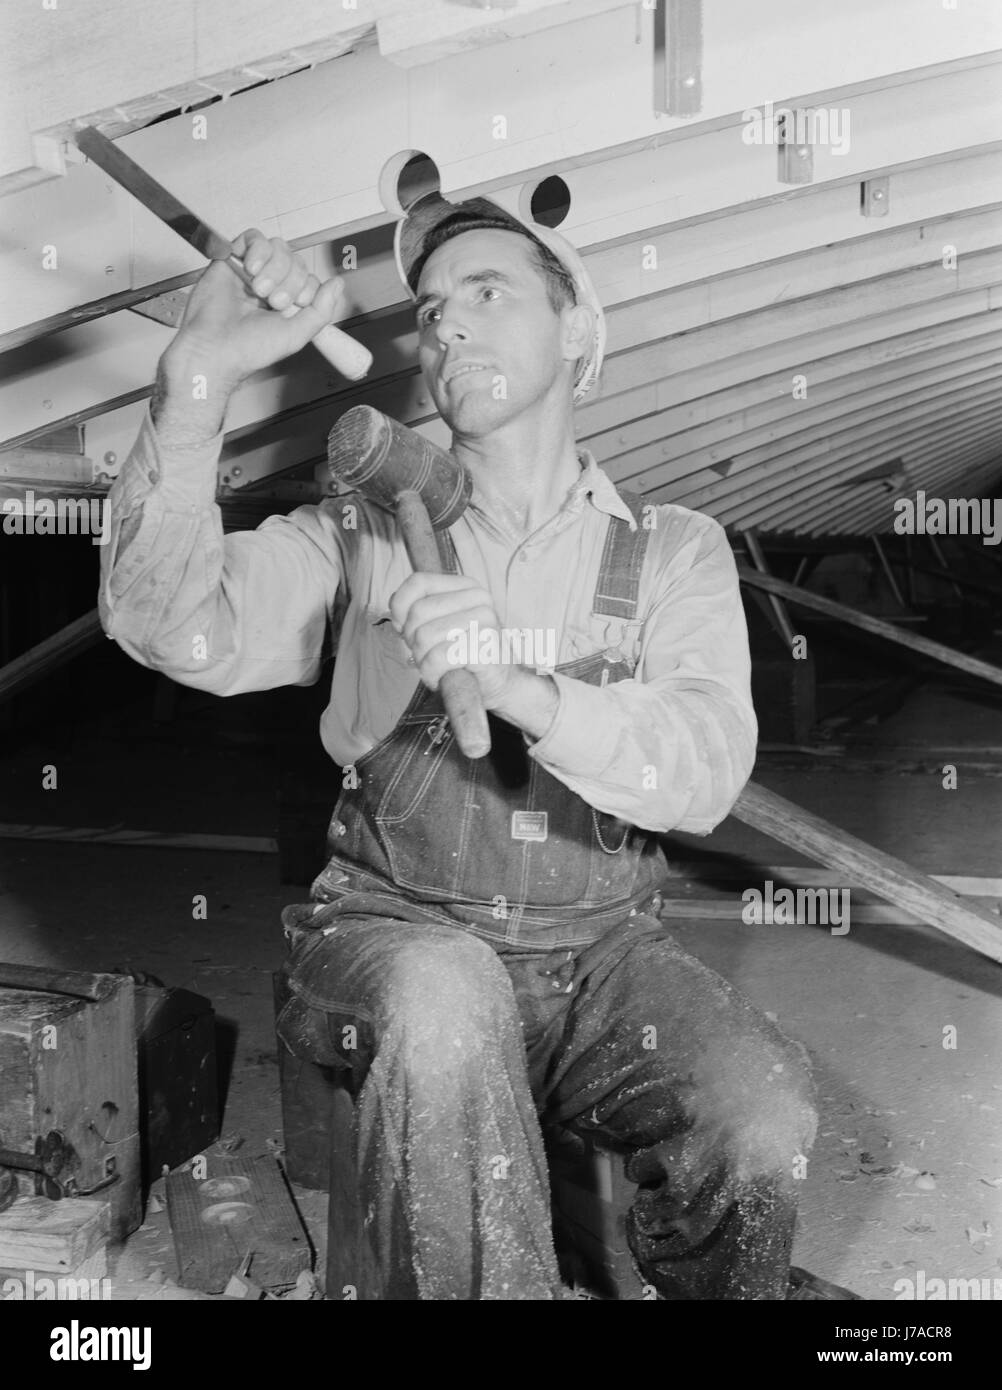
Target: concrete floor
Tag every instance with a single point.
(871, 1006)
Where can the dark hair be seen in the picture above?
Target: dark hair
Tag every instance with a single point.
(559, 283)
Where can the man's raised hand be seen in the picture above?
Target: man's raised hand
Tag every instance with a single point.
(241, 329)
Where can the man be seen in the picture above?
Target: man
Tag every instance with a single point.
(482, 953)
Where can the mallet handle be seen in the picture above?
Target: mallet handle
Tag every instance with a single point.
(460, 691)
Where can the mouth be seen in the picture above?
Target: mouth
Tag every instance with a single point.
(463, 369)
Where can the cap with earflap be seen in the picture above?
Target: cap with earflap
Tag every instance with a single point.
(427, 213)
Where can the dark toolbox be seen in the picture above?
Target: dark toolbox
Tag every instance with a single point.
(178, 1090)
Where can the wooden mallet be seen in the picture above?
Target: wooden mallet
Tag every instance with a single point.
(427, 489)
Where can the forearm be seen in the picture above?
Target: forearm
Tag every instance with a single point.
(530, 703)
(660, 758)
(185, 418)
(188, 405)
(247, 611)
(166, 542)
(671, 747)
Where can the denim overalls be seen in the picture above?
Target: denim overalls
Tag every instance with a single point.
(459, 1050)
(496, 844)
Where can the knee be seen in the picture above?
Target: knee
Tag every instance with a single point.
(445, 999)
(760, 1113)
(775, 1125)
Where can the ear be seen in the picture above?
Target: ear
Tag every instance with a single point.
(578, 330)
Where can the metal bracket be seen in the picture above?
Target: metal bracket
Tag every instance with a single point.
(52, 1155)
(875, 197)
(164, 308)
(52, 1158)
(793, 145)
(44, 466)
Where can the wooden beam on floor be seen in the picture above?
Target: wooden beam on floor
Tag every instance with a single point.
(731, 910)
(963, 581)
(891, 879)
(722, 868)
(923, 645)
(36, 663)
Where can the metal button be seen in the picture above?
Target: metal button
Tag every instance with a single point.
(338, 827)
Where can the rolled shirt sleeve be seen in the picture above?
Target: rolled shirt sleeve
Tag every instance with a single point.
(222, 613)
(672, 747)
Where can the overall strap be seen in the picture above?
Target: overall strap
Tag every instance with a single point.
(622, 561)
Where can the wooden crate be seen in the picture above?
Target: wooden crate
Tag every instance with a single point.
(67, 1238)
(69, 1064)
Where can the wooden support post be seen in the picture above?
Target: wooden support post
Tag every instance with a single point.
(860, 863)
(889, 573)
(38, 661)
(937, 551)
(909, 573)
(754, 549)
(948, 577)
(936, 650)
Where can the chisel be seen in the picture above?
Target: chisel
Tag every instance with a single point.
(349, 357)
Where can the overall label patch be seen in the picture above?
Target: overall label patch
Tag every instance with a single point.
(528, 825)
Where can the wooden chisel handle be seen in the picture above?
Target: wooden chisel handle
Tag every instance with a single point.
(460, 691)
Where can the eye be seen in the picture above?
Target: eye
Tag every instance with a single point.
(489, 289)
(428, 315)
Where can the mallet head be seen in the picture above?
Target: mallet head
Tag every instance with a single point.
(382, 458)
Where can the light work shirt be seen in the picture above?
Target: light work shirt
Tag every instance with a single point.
(668, 749)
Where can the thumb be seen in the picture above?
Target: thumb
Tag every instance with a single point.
(310, 319)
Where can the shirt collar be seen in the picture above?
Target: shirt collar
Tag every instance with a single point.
(595, 483)
(592, 483)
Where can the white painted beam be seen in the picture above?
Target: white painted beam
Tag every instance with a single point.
(930, 470)
(763, 411)
(322, 186)
(820, 499)
(941, 474)
(411, 35)
(813, 433)
(121, 63)
(778, 484)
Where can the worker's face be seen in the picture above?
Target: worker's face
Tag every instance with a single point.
(489, 342)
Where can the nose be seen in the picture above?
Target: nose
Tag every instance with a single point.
(450, 327)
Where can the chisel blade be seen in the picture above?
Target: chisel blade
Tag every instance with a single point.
(152, 195)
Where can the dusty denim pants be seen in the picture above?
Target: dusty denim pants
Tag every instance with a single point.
(459, 1052)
